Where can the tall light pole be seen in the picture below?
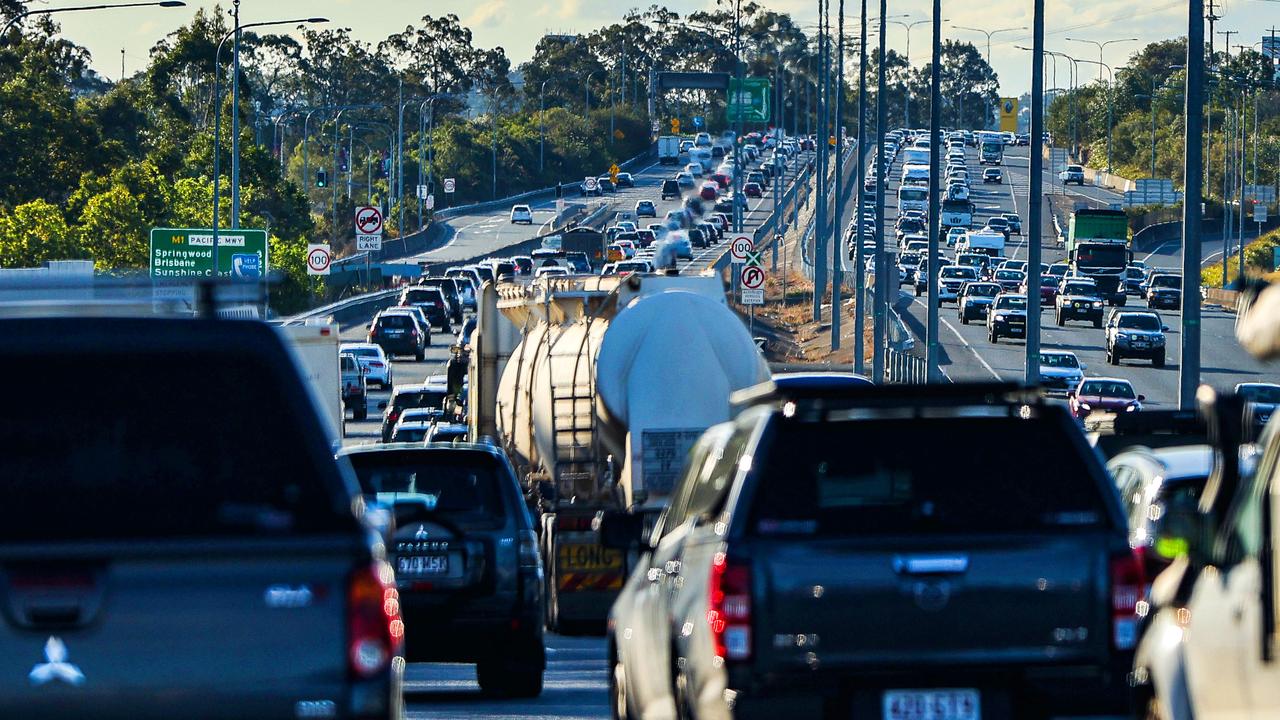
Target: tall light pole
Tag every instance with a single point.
(542, 125)
(1101, 46)
(235, 115)
(859, 253)
(1189, 363)
(880, 316)
(111, 6)
(935, 155)
(989, 33)
(1035, 199)
(1110, 77)
(906, 111)
(587, 84)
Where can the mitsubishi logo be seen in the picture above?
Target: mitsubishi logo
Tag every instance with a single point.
(55, 666)
(422, 533)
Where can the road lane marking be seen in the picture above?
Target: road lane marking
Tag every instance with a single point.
(956, 332)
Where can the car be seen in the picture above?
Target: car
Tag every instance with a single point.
(1078, 299)
(606, 184)
(399, 333)
(626, 226)
(778, 531)
(1164, 290)
(449, 287)
(1135, 279)
(975, 300)
(672, 188)
(685, 180)
(1009, 280)
(1014, 222)
(721, 179)
(550, 271)
(355, 390)
(910, 226)
(1073, 174)
(646, 208)
(709, 191)
(992, 175)
(524, 266)
(1103, 394)
(426, 395)
(447, 433)
(521, 214)
(373, 360)
(1057, 271)
(977, 261)
(702, 139)
(680, 246)
(1007, 317)
(698, 238)
(758, 177)
(625, 180)
(1135, 333)
(999, 224)
(628, 267)
(423, 415)
(645, 238)
(1048, 289)
(466, 558)
(88, 588)
(951, 278)
(713, 231)
(467, 282)
(955, 235)
(1261, 400)
(752, 190)
(908, 262)
(957, 191)
(432, 302)
(694, 169)
(1060, 371)
(410, 431)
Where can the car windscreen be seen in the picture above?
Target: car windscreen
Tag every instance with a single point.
(1011, 303)
(869, 478)
(410, 434)
(983, 290)
(425, 296)
(349, 363)
(1139, 322)
(363, 351)
(1079, 289)
(461, 485)
(160, 446)
(1102, 256)
(953, 272)
(1059, 360)
(1104, 388)
(913, 194)
(1008, 275)
(1269, 394)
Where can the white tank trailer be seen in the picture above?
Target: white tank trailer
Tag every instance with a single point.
(597, 387)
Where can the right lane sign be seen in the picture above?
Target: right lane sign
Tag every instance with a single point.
(752, 278)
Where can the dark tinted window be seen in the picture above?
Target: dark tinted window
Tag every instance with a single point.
(399, 322)
(870, 478)
(464, 485)
(418, 398)
(1261, 393)
(424, 296)
(160, 446)
(1167, 281)
(1139, 322)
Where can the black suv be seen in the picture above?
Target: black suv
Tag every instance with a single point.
(1078, 299)
(465, 556)
(816, 582)
(398, 333)
(452, 297)
(1135, 334)
(670, 189)
(432, 302)
(1164, 290)
(286, 610)
(1007, 317)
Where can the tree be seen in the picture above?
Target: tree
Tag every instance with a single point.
(36, 232)
(113, 230)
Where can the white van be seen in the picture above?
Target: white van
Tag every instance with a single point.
(702, 156)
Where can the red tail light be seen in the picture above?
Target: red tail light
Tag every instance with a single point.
(729, 608)
(1127, 585)
(373, 331)
(375, 630)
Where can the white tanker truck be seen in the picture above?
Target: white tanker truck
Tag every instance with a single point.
(597, 387)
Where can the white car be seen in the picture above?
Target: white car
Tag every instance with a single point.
(702, 139)
(694, 169)
(552, 270)
(521, 214)
(681, 246)
(955, 235)
(374, 360)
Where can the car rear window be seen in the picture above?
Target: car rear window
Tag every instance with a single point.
(424, 295)
(161, 446)
(463, 485)
(419, 399)
(402, 322)
(869, 478)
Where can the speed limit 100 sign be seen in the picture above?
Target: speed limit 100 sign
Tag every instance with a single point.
(318, 259)
(740, 248)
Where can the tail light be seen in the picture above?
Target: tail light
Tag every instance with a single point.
(373, 332)
(1127, 584)
(729, 608)
(375, 629)
(529, 557)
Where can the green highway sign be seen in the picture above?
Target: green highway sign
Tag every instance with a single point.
(178, 253)
(749, 98)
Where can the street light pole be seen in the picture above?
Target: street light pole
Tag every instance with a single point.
(932, 345)
(1110, 77)
(1035, 199)
(989, 33)
(880, 317)
(235, 118)
(906, 111)
(112, 6)
(1101, 45)
(542, 125)
(1189, 370)
(860, 260)
(838, 255)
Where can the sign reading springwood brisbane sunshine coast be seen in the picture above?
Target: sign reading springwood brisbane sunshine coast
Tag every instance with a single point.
(178, 253)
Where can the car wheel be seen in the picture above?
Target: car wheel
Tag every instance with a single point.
(1158, 361)
(420, 355)
(361, 410)
(964, 318)
(992, 337)
(618, 709)
(1058, 318)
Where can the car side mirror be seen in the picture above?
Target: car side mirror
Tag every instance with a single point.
(368, 326)
(1071, 393)
(1142, 398)
(1164, 328)
(1083, 367)
(618, 530)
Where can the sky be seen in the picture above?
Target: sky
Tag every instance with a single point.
(517, 25)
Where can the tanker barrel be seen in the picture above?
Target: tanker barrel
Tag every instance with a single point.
(484, 384)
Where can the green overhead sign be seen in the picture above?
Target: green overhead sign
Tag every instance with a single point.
(749, 100)
(178, 253)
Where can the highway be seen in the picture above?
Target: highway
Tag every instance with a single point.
(967, 355)
(576, 685)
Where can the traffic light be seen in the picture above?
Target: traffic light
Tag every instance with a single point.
(322, 179)
(675, 126)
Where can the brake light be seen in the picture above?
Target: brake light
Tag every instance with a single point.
(373, 331)
(729, 608)
(375, 629)
(1127, 583)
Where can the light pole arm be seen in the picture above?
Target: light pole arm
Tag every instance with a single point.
(50, 11)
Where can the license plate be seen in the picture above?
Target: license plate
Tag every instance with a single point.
(587, 557)
(1139, 343)
(1017, 330)
(422, 564)
(960, 704)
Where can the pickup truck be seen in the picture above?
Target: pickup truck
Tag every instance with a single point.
(184, 544)
(814, 563)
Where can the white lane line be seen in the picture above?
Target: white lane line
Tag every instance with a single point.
(959, 337)
(1159, 247)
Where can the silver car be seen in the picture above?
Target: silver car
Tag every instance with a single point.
(376, 364)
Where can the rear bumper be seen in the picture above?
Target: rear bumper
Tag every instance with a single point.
(1063, 690)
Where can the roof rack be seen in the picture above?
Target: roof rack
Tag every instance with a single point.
(836, 390)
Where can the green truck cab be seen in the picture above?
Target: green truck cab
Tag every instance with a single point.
(1098, 248)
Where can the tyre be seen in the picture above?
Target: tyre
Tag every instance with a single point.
(1097, 323)
(1122, 301)
(964, 318)
(1058, 318)
(420, 355)
(361, 410)
(992, 337)
(1112, 357)
(618, 709)
(1158, 361)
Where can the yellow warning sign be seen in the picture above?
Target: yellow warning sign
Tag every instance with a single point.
(1009, 115)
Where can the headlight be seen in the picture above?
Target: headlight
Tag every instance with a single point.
(1097, 304)
(1085, 406)
(1158, 340)
(1131, 408)
(1001, 316)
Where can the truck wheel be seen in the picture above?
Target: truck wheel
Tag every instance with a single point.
(361, 410)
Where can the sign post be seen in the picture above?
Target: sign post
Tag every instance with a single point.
(752, 284)
(318, 259)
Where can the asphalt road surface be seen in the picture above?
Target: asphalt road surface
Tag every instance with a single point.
(967, 355)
